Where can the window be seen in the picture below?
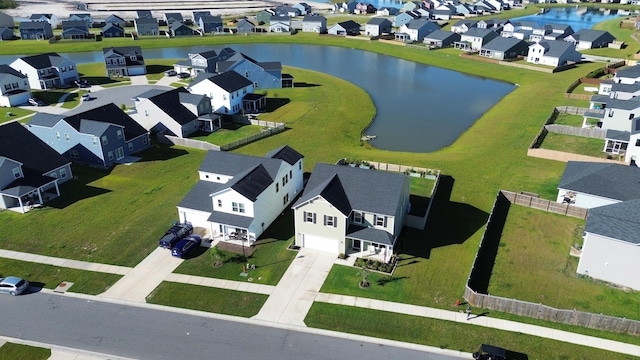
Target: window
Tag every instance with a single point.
(66, 136)
(7, 87)
(246, 74)
(144, 140)
(14, 85)
(95, 141)
(330, 221)
(237, 207)
(74, 154)
(380, 220)
(130, 146)
(63, 173)
(255, 84)
(300, 165)
(309, 217)
(631, 116)
(146, 113)
(17, 173)
(105, 140)
(290, 174)
(638, 142)
(70, 67)
(278, 185)
(610, 113)
(285, 199)
(219, 203)
(119, 133)
(110, 154)
(358, 217)
(57, 135)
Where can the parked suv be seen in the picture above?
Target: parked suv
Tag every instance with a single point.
(186, 246)
(174, 234)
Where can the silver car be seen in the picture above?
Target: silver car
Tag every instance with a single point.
(13, 285)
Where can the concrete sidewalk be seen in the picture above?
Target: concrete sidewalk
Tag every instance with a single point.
(293, 296)
(145, 277)
(73, 264)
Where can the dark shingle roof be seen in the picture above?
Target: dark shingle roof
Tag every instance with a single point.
(198, 198)
(252, 182)
(617, 221)
(503, 44)
(171, 103)
(43, 61)
(107, 114)
(286, 153)
(629, 72)
(231, 164)
(19, 144)
(370, 234)
(555, 48)
(8, 70)
(229, 81)
(367, 190)
(611, 181)
(441, 35)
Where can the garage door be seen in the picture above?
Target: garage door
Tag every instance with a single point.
(320, 243)
(196, 218)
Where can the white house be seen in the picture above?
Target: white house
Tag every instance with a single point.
(553, 53)
(46, 71)
(14, 87)
(225, 90)
(239, 196)
(417, 29)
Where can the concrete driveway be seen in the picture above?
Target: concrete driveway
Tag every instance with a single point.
(118, 95)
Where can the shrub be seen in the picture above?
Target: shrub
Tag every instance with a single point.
(596, 73)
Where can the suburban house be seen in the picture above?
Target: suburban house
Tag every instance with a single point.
(345, 28)
(314, 23)
(387, 11)
(590, 39)
(611, 193)
(176, 112)
(179, 29)
(14, 87)
(112, 30)
(115, 20)
(462, 26)
(6, 21)
(502, 48)
(102, 136)
(78, 29)
(263, 75)
(146, 26)
(345, 7)
(417, 29)
(7, 34)
(411, 5)
(338, 214)
(198, 14)
(203, 60)
(86, 17)
(364, 8)
(377, 26)
(475, 38)
(550, 32)
(239, 196)
(124, 61)
(441, 39)
(30, 170)
(210, 24)
(280, 24)
(35, 30)
(405, 17)
(263, 17)
(553, 53)
(144, 14)
(47, 71)
(245, 27)
(225, 90)
(285, 10)
(303, 7)
(52, 19)
(173, 17)
(518, 29)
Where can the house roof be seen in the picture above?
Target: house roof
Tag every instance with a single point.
(478, 32)
(146, 21)
(231, 164)
(252, 182)
(126, 52)
(349, 24)
(94, 121)
(630, 104)
(611, 181)
(177, 25)
(314, 18)
(43, 61)
(34, 25)
(114, 18)
(369, 234)
(230, 219)
(441, 35)
(40, 16)
(619, 135)
(629, 72)
(171, 103)
(81, 24)
(229, 81)
(503, 44)
(144, 14)
(378, 21)
(367, 190)
(626, 88)
(285, 153)
(113, 26)
(590, 35)
(416, 24)
(210, 19)
(19, 144)
(198, 197)
(173, 16)
(618, 221)
(555, 48)
(6, 70)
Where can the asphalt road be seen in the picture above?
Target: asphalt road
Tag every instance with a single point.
(117, 95)
(143, 333)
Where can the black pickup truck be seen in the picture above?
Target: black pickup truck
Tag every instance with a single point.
(175, 233)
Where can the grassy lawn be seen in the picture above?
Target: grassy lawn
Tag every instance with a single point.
(569, 120)
(49, 276)
(574, 144)
(220, 301)
(443, 334)
(12, 113)
(229, 133)
(271, 257)
(108, 216)
(19, 352)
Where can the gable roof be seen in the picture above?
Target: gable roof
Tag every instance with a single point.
(349, 24)
(478, 32)
(232, 164)
(285, 153)
(367, 190)
(504, 44)
(618, 221)
(228, 81)
(146, 21)
(112, 27)
(171, 103)
(611, 181)
(43, 61)
(629, 72)
(378, 21)
(590, 35)
(251, 182)
(417, 24)
(34, 25)
(19, 144)
(6, 70)
(441, 35)
(114, 18)
(555, 48)
(105, 115)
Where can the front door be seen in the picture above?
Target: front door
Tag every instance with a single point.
(357, 244)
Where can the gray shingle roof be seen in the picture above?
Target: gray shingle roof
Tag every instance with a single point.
(555, 48)
(629, 72)
(43, 61)
(626, 88)
(611, 181)
(8, 70)
(618, 135)
(441, 35)
(198, 198)
(103, 116)
(229, 81)
(617, 221)
(373, 191)
(286, 153)
(629, 104)
(370, 234)
(590, 35)
(503, 44)
(171, 103)
(231, 164)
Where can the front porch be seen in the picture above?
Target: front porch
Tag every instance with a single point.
(28, 192)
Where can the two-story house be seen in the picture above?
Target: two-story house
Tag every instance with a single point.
(46, 71)
(239, 196)
(590, 39)
(111, 30)
(475, 38)
(377, 26)
(30, 170)
(345, 210)
(172, 17)
(203, 60)
(116, 20)
(124, 61)
(14, 87)
(280, 24)
(52, 19)
(553, 53)
(226, 90)
(75, 29)
(146, 26)
(210, 24)
(263, 74)
(314, 23)
(417, 29)
(86, 17)
(35, 30)
(345, 28)
(176, 112)
(6, 21)
(101, 136)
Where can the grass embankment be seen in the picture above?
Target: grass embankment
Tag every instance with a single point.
(12, 351)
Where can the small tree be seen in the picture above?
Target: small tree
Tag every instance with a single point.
(364, 283)
(217, 257)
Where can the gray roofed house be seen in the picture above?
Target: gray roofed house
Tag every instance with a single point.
(314, 23)
(475, 38)
(441, 39)
(280, 24)
(146, 26)
(172, 17)
(265, 74)
(245, 26)
(142, 14)
(124, 61)
(7, 34)
(86, 17)
(204, 60)
(377, 26)
(6, 21)
(30, 170)
(210, 24)
(198, 14)
(46, 71)
(590, 39)
(35, 30)
(14, 87)
(111, 30)
(116, 20)
(502, 48)
(417, 29)
(78, 29)
(239, 196)
(179, 29)
(627, 75)
(553, 53)
(345, 28)
(337, 212)
(52, 19)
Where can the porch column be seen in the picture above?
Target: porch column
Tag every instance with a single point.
(21, 205)
(57, 189)
(39, 196)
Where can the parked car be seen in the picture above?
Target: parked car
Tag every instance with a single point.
(36, 102)
(13, 285)
(184, 75)
(174, 234)
(170, 73)
(186, 246)
(487, 352)
(86, 97)
(82, 83)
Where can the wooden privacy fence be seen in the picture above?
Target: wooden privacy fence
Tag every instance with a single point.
(191, 143)
(526, 308)
(596, 133)
(535, 202)
(249, 139)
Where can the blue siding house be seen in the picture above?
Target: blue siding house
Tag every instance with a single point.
(102, 136)
(35, 30)
(263, 75)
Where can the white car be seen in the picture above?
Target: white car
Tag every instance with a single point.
(86, 97)
(13, 285)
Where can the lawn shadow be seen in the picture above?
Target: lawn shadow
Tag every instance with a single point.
(304, 84)
(79, 188)
(274, 104)
(449, 223)
(160, 152)
(279, 230)
(419, 205)
(390, 279)
(99, 80)
(158, 69)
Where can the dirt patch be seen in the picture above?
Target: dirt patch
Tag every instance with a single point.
(237, 249)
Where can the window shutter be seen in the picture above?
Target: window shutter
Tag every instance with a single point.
(314, 218)
(335, 221)
(385, 221)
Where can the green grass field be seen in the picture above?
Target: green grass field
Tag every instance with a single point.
(11, 351)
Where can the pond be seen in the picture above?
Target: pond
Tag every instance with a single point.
(420, 108)
(577, 17)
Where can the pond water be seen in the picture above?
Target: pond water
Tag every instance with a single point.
(577, 17)
(420, 108)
